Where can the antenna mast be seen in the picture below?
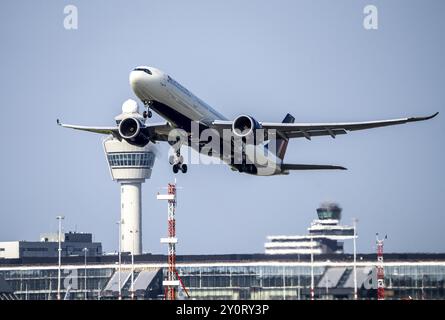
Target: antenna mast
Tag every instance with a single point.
(380, 269)
(173, 280)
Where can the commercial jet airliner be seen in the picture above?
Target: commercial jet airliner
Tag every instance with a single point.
(181, 109)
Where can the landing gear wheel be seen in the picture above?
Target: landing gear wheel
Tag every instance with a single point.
(147, 113)
(177, 161)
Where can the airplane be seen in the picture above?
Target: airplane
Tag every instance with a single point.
(180, 108)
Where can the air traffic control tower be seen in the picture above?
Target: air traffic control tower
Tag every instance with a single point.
(129, 165)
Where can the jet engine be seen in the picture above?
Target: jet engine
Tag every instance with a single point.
(132, 130)
(244, 126)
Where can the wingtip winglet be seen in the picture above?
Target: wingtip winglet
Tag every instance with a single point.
(431, 116)
(423, 118)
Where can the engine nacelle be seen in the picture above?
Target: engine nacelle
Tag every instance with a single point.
(131, 129)
(244, 126)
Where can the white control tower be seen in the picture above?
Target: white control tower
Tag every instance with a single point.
(129, 165)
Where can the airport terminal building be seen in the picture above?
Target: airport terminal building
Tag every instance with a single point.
(237, 276)
(289, 268)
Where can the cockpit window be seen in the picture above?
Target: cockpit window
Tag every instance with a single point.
(147, 71)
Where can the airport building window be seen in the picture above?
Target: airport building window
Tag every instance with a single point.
(131, 159)
(35, 249)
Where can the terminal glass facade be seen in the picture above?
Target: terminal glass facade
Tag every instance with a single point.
(41, 284)
(293, 283)
(241, 281)
(416, 282)
(249, 282)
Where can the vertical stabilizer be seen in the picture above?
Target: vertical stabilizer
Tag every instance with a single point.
(282, 140)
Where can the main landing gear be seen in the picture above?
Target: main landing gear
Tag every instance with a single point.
(177, 162)
(147, 113)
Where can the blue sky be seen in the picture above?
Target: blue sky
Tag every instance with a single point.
(311, 58)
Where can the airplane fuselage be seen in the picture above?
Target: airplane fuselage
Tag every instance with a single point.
(180, 108)
(160, 87)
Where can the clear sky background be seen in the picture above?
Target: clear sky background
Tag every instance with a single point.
(311, 58)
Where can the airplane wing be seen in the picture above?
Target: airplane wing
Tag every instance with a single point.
(102, 130)
(156, 131)
(308, 130)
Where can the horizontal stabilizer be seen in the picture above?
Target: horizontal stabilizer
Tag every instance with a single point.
(310, 167)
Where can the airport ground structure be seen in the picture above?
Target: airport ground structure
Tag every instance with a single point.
(232, 276)
(72, 243)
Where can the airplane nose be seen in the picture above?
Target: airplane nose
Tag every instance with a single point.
(145, 82)
(137, 78)
(137, 83)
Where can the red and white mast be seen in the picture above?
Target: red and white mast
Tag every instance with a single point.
(380, 269)
(173, 280)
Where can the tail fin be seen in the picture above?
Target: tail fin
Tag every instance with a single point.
(282, 140)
